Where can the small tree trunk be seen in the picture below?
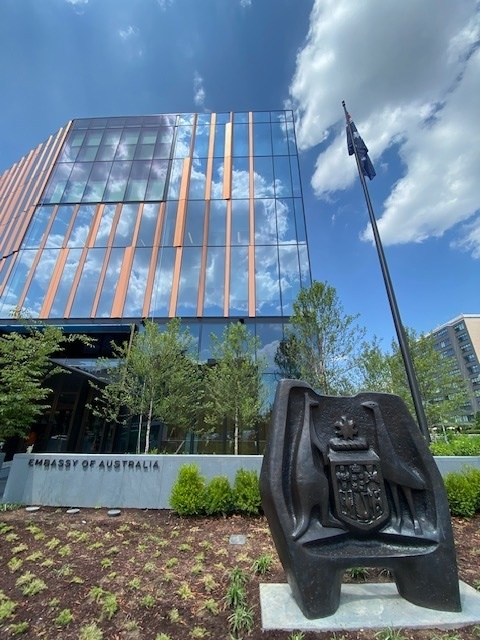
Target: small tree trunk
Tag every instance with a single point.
(149, 423)
(236, 432)
(139, 434)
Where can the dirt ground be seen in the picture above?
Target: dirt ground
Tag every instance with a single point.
(149, 574)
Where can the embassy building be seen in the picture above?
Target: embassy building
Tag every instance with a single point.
(116, 220)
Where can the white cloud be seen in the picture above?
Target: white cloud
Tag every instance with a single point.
(409, 73)
(78, 5)
(129, 32)
(245, 3)
(164, 4)
(199, 91)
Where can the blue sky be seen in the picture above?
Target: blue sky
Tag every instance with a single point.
(409, 73)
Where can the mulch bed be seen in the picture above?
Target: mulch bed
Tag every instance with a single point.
(149, 574)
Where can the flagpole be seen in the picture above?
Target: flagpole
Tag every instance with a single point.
(401, 334)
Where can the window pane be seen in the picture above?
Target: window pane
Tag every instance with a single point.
(286, 222)
(164, 272)
(194, 224)
(125, 226)
(262, 139)
(300, 220)
(37, 227)
(104, 308)
(16, 281)
(240, 222)
(40, 281)
(219, 141)
(291, 138)
(279, 138)
(217, 222)
(53, 192)
(207, 329)
(265, 222)
(169, 223)
(69, 153)
(296, 179)
(97, 181)
(240, 178)
(263, 178)
(87, 154)
(148, 136)
(267, 281)
(217, 178)
(59, 227)
(77, 182)
(106, 152)
(290, 277)
(214, 282)
(261, 116)
(65, 285)
(239, 287)
(282, 174)
(304, 265)
(138, 180)
(82, 305)
(81, 226)
(198, 178)
(144, 152)
(105, 226)
(134, 300)
(156, 186)
(130, 136)
(269, 335)
(189, 282)
(174, 179)
(112, 137)
(201, 144)
(241, 140)
(117, 181)
(93, 138)
(147, 225)
(182, 142)
(125, 152)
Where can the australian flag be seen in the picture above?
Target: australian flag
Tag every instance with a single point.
(366, 164)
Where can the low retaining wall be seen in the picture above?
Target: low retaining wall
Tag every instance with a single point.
(127, 480)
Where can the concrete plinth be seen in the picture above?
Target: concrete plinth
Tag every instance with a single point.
(364, 605)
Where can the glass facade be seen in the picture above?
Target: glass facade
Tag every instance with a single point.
(192, 215)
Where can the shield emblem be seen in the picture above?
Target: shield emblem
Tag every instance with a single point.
(359, 492)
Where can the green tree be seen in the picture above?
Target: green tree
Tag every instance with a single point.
(374, 368)
(235, 390)
(24, 366)
(287, 358)
(155, 376)
(441, 386)
(328, 340)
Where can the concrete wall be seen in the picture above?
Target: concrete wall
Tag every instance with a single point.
(115, 481)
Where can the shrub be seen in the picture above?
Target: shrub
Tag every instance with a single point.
(463, 491)
(188, 492)
(246, 493)
(218, 496)
(457, 445)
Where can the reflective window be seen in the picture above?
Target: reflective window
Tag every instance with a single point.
(286, 225)
(16, 281)
(240, 222)
(182, 142)
(289, 276)
(125, 226)
(81, 226)
(40, 281)
(241, 140)
(217, 222)
(262, 139)
(282, 173)
(77, 182)
(267, 281)
(265, 222)
(85, 294)
(57, 183)
(261, 116)
(164, 272)
(189, 282)
(105, 227)
(148, 224)
(65, 285)
(174, 179)
(239, 286)
(240, 178)
(97, 182)
(207, 329)
(304, 265)
(291, 138)
(279, 137)
(93, 138)
(169, 223)
(218, 179)
(117, 181)
(214, 282)
(263, 178)
(106, 299)
(134, 300)
(269, 335)
(158, 175)
(59, 227)
(296, 179)
(219, 142)
(37, 226)
(201, 144)
(300, 220)
(241, 116)
(198, 178)
(194, 223)
(148, 136)
(87, 154)
(138, 180)
(144, 152)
